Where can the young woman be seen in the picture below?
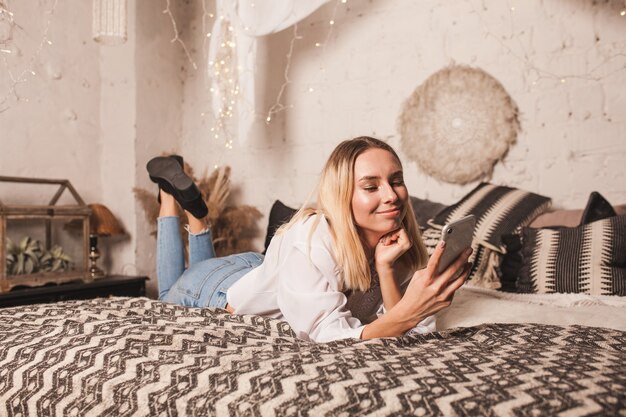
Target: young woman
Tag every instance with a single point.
(353, 267)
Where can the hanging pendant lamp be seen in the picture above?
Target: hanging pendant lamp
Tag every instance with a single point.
(109, 21)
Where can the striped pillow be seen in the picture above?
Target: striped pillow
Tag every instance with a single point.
(589, 259)
(499, 210)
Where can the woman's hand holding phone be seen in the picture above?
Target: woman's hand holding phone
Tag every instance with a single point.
(429, 291)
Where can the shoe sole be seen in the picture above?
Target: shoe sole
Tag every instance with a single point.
(168, 170)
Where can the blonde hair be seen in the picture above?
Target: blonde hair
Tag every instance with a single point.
(334, 202)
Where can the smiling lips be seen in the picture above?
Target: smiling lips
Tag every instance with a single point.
(392, 212)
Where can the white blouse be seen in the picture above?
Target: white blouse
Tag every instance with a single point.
(300, 283)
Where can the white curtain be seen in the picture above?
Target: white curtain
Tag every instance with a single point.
(249, 20)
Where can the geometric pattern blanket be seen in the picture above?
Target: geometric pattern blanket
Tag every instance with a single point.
(140, 357)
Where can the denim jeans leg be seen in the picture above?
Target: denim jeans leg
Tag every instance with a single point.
(205, 283)
(200, 247)
(246, 261)
(170, 257)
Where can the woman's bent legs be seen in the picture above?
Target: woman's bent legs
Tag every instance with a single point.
(170, 254)
(205, 282)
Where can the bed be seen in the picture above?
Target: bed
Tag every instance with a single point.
(141, 357)
(550, 341)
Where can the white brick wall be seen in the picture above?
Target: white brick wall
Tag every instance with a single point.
(573, 139)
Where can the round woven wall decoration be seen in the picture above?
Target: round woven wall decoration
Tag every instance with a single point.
(458, 124)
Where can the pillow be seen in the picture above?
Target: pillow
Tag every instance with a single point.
(559, 218)
(425, 210)
(597, 208)
(279, 214)
(499, 210)
(589, 259)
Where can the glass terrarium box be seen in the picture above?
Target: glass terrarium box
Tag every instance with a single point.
(44, 233)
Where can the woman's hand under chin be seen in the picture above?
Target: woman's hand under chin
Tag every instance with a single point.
(390, 247)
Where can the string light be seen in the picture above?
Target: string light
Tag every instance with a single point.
(221, 68)
(176, 38)
(277, 107)
(7, 50)
(205, 15)
(226, 87)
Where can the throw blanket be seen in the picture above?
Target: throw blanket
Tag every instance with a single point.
(136, 357)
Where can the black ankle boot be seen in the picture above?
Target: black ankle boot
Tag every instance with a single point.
(181, 162)
(168, 173)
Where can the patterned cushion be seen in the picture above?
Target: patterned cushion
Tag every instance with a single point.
(589, 259)
(498, 209)
(597, 208)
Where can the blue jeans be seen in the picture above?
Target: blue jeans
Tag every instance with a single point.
(205, 282)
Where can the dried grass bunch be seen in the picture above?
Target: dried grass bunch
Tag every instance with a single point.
(233, 227)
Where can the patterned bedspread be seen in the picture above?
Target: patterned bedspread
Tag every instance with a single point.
(136, 357)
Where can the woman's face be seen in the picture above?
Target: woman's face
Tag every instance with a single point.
(380, 197)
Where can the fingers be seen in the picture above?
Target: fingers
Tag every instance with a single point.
(457, 265)
(386, 239)
(403, 237)
(435, 258)
(455, 284)
(397, 236)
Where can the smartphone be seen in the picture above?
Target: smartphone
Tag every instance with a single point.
(458, 237)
